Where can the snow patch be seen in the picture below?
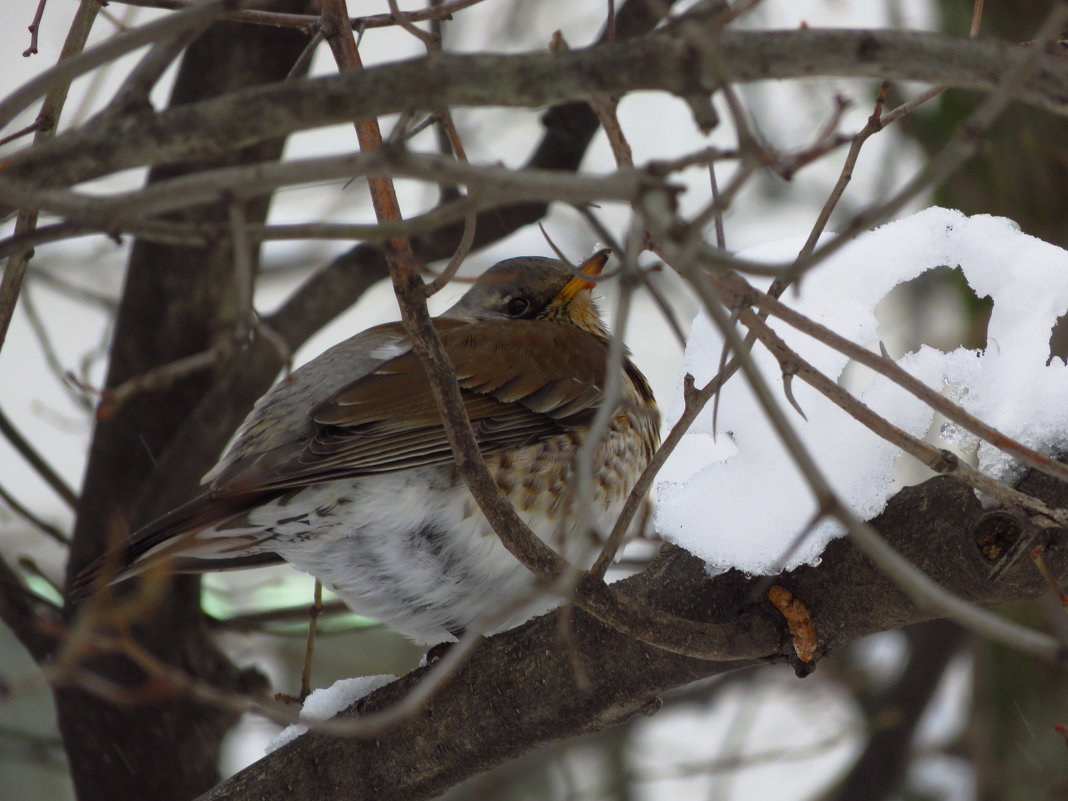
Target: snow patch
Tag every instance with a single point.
(739, 502)
(324, 704)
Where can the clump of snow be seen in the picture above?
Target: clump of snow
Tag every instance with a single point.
(740, 502)
(325, 703)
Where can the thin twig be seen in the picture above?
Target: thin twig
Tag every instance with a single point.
(467, 238)
(34, 28)
(29, 516)
(705, 155)
(37, 462)
(36, 125)
(827, 139)
(101, 300)
(160, 377)
(307, 22)
(721, 237)
(257, 620)
(977, 18)
(1038, 557)
(70, 66)
(244, 278)
(40, 330)
(872, 126)
(300, 66)
(406, 23)
(55, 91)
(314, 611)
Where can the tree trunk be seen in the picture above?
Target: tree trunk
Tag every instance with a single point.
(177, 301)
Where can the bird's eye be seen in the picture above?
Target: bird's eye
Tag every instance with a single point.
(517, 306)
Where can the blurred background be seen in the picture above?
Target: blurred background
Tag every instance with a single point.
(923, 713)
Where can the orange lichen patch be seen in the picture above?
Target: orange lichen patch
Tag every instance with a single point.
(798, 621)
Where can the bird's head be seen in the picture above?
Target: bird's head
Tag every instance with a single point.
(536, 288)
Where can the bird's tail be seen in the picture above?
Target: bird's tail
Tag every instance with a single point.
(190, 539)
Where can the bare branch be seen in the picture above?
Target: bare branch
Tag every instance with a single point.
(34, 28)
(55, 97)
(307, 23)
(41, 525)
(655, 61)
(37, 462)
(72, 66)
(901, 377)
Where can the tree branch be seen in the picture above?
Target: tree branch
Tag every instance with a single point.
(468, 728)
(654, 62)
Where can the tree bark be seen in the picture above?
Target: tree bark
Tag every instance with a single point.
(148, 456)
(690, 67)
(176, 302)
(521, 689)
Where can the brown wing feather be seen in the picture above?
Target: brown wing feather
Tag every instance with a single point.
(522, 381)
(201, 512)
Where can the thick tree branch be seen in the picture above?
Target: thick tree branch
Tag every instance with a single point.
(521, 691)
(657, 61)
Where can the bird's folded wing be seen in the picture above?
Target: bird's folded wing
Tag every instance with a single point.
(521, 381)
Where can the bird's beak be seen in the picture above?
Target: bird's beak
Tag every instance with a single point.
(592, 266)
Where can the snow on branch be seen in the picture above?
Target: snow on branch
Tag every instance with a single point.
(736, 500)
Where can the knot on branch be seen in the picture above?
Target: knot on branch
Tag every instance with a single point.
(996, 533)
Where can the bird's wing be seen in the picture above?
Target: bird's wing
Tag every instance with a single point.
(521, 381)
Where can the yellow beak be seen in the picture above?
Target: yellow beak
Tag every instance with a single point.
(592, 266)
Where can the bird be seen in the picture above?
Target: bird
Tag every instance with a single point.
(343, 468)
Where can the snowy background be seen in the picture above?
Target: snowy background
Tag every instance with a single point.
(770, 733)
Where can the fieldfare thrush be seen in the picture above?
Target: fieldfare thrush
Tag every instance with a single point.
(343, 469)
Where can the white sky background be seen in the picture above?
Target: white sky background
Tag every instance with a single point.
(657, 126)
